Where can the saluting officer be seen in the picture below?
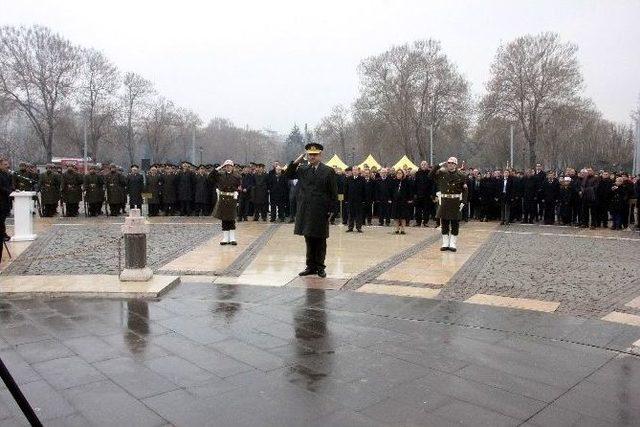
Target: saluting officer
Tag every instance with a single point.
(452, 194)
(227, 183)
(317, 194)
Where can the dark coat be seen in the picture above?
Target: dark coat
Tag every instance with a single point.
(71, 187)
(507, 193)
(116, 188)
(135, 187)
(384, 189)
(93, 188)
(169, 187)
(202, 193)
(279, 188)
(5, 190)
(424, 185)
(354, 191)
(49, 184)
(316, 197)
(369, 190)
(588, 187)
(449, 183)
(154, 188)
(260, 190)
(185, 185)
(226, 206)
(530, 189)
(401, 195)
(550, 191)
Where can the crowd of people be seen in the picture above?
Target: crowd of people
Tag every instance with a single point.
(366, 196)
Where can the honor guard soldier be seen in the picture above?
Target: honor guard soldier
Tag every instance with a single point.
(116, 191)
(227, 183)
(71, 190)
(153, 188)
(94, 191)
(49, 184)
(316, 196)
(135, 186)
(452, 193)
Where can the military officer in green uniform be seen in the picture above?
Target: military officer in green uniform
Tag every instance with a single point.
(317, 194)
(23, 179)
(116, 191)
(452, 194)
(71, 190)
(227, 183)
(153, 187)
(49, 184)
(94, 191)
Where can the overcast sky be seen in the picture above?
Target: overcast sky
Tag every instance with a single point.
(270, 64)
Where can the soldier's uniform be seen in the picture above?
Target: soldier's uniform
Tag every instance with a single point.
(49, 184)
(154, 188)
(71, 191)
(317, 194)
(94, 192)
(23, 179)
(169, 182)
(227, 184)
(260, 195)
(452, 194)
(135, 186)
(116, 191)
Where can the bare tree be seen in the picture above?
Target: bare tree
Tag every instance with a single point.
(158, 128)
(413, 87)
(335, 129)
(531, 78)
(136, 92)
(37, 73)
(100, 80)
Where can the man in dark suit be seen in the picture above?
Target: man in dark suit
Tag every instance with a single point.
(384, 194)
(317, 194)
(506, 197)
(5, 200)
(354, 193)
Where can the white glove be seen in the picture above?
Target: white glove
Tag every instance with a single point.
(235, 195)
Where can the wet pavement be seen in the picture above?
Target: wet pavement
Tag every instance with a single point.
(231, 355)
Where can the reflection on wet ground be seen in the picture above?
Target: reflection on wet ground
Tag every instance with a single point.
(257, 356)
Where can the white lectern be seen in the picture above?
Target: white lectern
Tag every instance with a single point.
(22, 216)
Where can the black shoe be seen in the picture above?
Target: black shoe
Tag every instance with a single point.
(233, 243)
(359, 230)
(417, 224)
(349, 230)
(402, 232)
(444, 248)
(224, 243)
(322, 273)
(452, 249)
(272, 220)
(397, 232)
(307, 272)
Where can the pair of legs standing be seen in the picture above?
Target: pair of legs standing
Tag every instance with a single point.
(450, 229)
(228, 233)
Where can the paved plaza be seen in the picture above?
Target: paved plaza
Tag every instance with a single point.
(524, 325)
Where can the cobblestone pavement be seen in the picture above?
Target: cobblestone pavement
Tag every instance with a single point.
(91, 248)
(264, 356)
(589, 276)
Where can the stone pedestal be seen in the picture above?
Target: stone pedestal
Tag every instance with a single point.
(135, 231)
(22, 216)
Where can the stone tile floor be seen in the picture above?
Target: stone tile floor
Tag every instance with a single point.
(232, 355)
